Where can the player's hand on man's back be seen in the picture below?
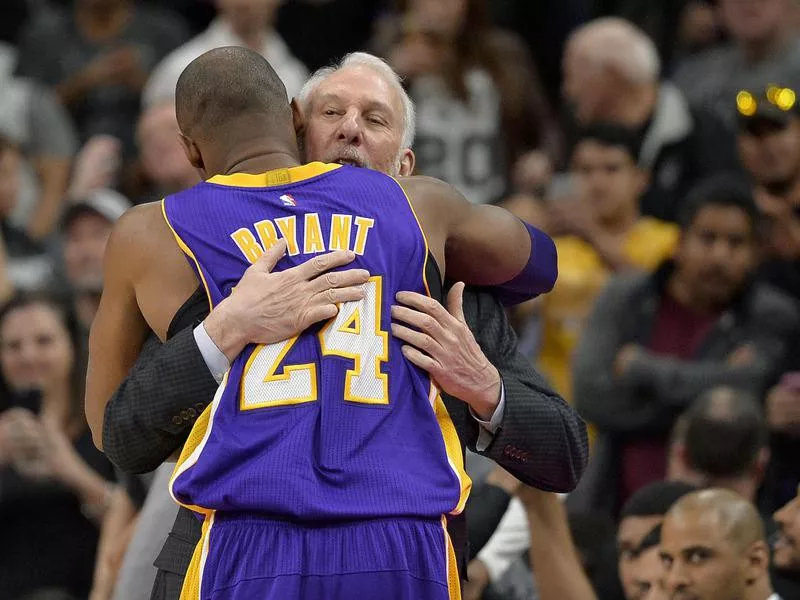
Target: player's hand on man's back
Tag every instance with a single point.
(267, 307)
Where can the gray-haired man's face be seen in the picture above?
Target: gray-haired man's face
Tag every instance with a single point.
(355, 117)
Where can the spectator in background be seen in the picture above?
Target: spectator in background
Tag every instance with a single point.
(654, 343)
(54, 484)
(32, 118)
(713, 547)
(479, 106)
(722, 442)
(648, 574)
(97, 57)
(611, 75)
(764, 47)
(86, 227)
(163, 159)
(769, 150)
(786, 549)
(26, 262)
(641, 515)
(600, 232)
(247, 23)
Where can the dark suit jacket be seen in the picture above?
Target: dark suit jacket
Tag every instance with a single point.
(542, 441)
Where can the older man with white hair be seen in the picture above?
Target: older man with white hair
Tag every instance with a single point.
(611, 75)
(356, 113)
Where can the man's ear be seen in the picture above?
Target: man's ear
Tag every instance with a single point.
(298, 118)
(756, 562)
(407, 162)
(192, 153)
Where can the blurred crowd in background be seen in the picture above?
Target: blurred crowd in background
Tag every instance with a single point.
(657, 141)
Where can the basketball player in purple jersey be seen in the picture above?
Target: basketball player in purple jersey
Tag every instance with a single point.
(294, 465)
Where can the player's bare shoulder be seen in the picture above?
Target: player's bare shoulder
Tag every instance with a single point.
(434, 201)
(140, 234)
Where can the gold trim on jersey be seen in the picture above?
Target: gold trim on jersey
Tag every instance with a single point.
(275, 177)
(453, 576)
(195, 444)
(188, 252)
(193, 582)
(452, 443)
(424, 238)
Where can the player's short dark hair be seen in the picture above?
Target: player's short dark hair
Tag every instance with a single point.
(727, 190)
(655, 499)
(227, 83)
(613, 136)
(724, 434)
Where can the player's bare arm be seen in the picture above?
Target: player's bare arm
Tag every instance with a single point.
(480, 244)
(136, 299)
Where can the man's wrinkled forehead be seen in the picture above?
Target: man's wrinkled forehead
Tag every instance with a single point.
(362, 85)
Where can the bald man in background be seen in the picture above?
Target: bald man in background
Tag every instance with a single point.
(713, 547)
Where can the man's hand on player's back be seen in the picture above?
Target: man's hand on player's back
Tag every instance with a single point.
(267, 307)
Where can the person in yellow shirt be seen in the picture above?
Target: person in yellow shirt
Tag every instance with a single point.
(598, 231)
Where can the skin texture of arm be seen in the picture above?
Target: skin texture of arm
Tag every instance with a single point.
(136, 299)
(476, 244)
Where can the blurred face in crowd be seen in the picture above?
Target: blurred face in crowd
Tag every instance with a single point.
(787, 547)
(356, 117)
(716, 253)
(35, 348)
(9, 180)
(770, 152)
(248, 15)
(648, 576)
(754, 21)
(631, 532)
(586, 84)
(84, 246)
(163, 158)
(446, 16)
(608, 179)
(702, 562)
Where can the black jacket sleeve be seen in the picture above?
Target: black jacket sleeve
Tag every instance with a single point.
(542, 441)
(150, 415)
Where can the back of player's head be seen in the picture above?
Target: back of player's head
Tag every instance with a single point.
(725, 432)
(225, 85)
(655, 499)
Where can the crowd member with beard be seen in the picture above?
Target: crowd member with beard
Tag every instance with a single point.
(654, 343)
(358, 114)
(713, 547)
(611, 75)
(769, 149)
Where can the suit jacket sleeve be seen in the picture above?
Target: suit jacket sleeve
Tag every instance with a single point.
(542, 441)
(150, 415)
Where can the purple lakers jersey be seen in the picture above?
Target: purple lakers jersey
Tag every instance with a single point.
(335, 423)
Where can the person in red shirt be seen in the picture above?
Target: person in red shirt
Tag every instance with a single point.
(654, 343)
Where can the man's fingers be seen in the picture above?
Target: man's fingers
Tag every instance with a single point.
(420, 320)
(325, 262)
(323, 312)
(421, 360)
(339, 295)
(267, 261)
(455, 301)
(339, 279)
(419, 340)
(424, 304)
